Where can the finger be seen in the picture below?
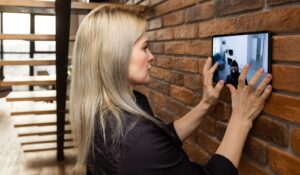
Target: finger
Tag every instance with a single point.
(262, 85)
(218, 88)
(232, 89)
(210, 75)
(214, 68)
(266, 93)
(242, 77)
(207, 64)
(254, 79)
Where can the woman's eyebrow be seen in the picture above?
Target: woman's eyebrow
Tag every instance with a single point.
(145, 42)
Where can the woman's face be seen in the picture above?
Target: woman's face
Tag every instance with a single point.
(139, 64)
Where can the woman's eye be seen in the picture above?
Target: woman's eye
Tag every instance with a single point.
(145, 47)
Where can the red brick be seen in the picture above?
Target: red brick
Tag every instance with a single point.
(193, 81)
(285, 77)
(164, 34)
(151, 35)
(186, 31)
(183, 94)
(201, 65)
(175, 47)
(221, 111)
(256, 149)
(195, 152)
(173, 77)
(248, 167)
(158, 99)
(156, 47)
(166, 116)
(200, 12)
(155, 2)
(185, 64)
(176, 108)
(174, 18)
(295, 140)
(208, 124)
(155, 23)
(199, 47)
(173, 5)
(160, 86)
(143, 89)
(284, 106)
(164, 61)
(225, 95)
(286, 48)
(208, 143)
(278, 2)
(217, 27)
(277, 20)
(220, 129)
(157, 72)
(225, 7)
(145, 2)
(282, 162)
(271, 130)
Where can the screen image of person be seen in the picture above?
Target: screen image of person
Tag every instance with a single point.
(233, 77)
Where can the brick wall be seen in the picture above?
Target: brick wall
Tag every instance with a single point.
(180, 33)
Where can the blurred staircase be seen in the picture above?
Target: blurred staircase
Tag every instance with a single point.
(39, 116)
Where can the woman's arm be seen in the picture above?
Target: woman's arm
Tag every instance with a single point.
(247, 103)
(187, 124)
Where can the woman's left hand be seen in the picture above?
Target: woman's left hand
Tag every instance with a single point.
(210, 93)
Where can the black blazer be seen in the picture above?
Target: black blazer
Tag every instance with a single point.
(148, 150)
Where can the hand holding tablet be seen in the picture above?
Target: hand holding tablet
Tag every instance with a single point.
(233, 52)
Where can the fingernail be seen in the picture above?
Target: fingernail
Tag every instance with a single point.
(269, 76)
(247, 65)
(269, 86)
(261, 70)
(221, 82)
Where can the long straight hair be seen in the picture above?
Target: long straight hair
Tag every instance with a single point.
(100, 82)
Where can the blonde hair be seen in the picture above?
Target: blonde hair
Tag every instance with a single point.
(100, 74)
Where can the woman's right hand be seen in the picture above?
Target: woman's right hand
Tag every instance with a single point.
(247, 100)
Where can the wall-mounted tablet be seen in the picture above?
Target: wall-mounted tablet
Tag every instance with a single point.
(234, 51)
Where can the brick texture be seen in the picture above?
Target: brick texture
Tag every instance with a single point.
(248, 167)
(284, 106)
(278, 2)
(195, 152)
(200, 12)
(280, 80)
(282, 162)
(256, 149)
(271, 130)
(174, 18)
(295, 140)
(180, 33)
(286, 48)
(208, 125)
(225, 7)
(182, 94)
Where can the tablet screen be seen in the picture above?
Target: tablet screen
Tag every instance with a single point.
(233, 52)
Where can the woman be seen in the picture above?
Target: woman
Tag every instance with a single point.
(115, 129)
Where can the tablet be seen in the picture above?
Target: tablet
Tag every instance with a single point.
(234, 51)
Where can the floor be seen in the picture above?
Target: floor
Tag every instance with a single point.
(14, 162)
